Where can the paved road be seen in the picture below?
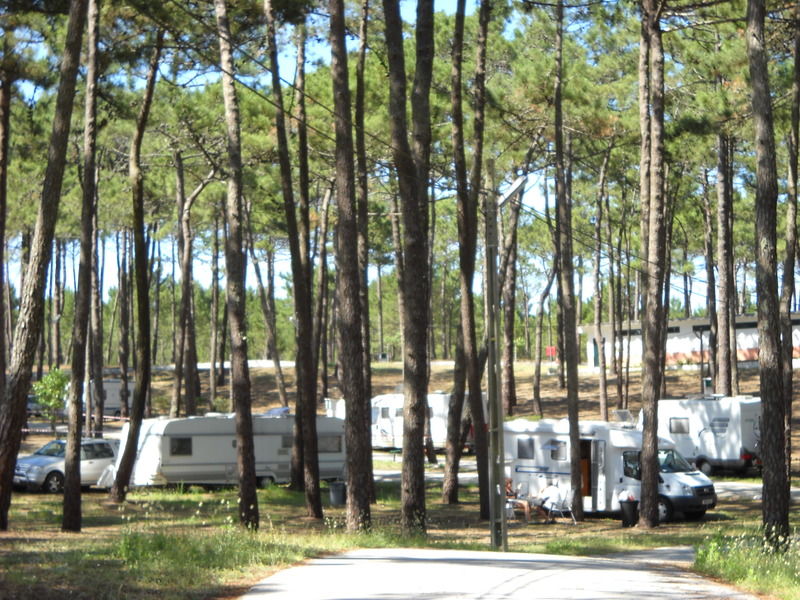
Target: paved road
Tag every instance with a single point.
(392, 574)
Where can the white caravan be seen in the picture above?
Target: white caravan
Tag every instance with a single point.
(202, 450)
(387, 420)
(713, 432)
(537, 455)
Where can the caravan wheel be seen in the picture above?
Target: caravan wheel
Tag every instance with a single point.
(705, 467)
(265, 482)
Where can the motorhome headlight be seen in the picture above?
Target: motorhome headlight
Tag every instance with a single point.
(688, 490)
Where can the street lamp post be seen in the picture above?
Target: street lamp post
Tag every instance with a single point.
(497, 499)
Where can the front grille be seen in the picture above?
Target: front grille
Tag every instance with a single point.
(704, 491)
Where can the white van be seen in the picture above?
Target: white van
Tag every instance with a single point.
(714, 432)
(537, 455)
(202, 450)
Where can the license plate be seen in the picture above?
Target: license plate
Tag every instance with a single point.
(707, 501)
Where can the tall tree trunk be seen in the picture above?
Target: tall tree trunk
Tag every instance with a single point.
(298, 233)
(565, 276)
(412, 165)
(724, 266)
(508, 275)
(96, 352)
(212, 371)
(654, 252)
(362, 183)
(6, 84)
(711, 286)
(788, 289)
(235, 260)
(599, 340)
(71, 517)
(123, 269)
(141, 273)
(31, 313)
(351, 355)
(537, 352)
(468, 187)
(775, 506)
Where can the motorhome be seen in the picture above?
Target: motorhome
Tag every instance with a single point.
(713, 432)
(202, 450)
(537, 455)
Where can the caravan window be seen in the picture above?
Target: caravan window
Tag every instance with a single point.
(384, 412)
(287, 441)
(398, 412)
(525, 447)
(558, 450)
(719, 425)
(180, 446)
(679, 425)
(329, 444)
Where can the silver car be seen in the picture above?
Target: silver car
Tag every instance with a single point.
(44, 469)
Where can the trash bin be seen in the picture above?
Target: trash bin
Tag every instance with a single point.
(630, 512)
(338, 491)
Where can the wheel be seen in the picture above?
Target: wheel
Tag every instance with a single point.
(694, 515)
(664, 510)
(265, 482)
(54, 483)
(705, 467)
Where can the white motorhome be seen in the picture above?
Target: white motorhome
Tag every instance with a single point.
(202, 450)
(713, 432)
(537, 455)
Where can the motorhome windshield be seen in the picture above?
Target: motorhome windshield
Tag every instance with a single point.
(669, 462)
(672, 462)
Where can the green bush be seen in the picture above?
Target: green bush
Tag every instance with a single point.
(51, 393)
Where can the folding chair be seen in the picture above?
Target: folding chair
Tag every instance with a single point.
(561, 506)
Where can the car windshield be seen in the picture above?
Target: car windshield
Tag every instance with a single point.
(672, 462)
(54, 448)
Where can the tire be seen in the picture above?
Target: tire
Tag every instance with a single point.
(54, 483)
(694, 515)
(265, 482)
(665, 510)
(705, 468)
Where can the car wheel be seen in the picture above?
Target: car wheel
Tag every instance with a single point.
(705, 468)
(54, 483)
(664, 510)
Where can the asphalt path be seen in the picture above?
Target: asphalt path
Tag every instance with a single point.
(394, 573)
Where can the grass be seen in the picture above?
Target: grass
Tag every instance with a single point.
(747, 562)
(186, 544)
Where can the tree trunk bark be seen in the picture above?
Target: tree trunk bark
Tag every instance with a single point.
(565, 277)
(599, 340)
(412, 164)
(711, 286)
(775, 506)
(235, 287)
(141, 272)
(298, 233)
(351, 354)
(654, 257)
(71, 517)
(724, 267)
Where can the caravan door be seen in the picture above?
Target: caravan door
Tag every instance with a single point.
(599, 476)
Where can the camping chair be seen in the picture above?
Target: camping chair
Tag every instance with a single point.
(517, 502)
(561, 506)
